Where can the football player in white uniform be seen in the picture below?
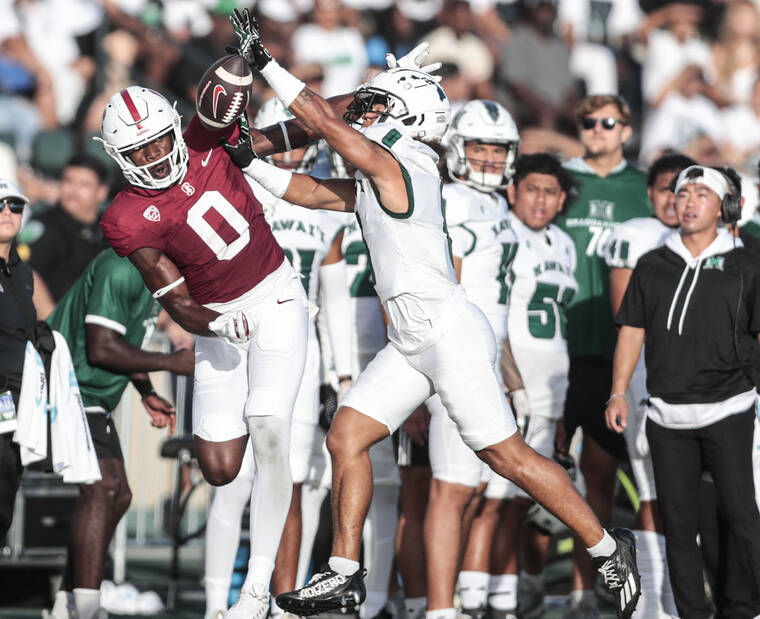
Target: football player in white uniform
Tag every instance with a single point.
(629, 241)
(439, 341)
(482, 147)
(541, 283)
(311, 241)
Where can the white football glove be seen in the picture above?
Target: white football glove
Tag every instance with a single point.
(520, 403)
(237, 327)
(414, 60)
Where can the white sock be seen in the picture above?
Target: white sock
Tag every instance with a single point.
(502, 591)
(270, 498)
(441, 613)
(64, 606)
(347, 567)
(87, 602)
(473, 588)
(415, 607)
(223, 535)
(378, 535)
(604, 548)
(259, 574)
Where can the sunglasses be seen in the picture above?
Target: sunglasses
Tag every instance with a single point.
(608, 123)
(16, 206)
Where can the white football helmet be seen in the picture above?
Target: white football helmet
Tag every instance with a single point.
(134, 117)
(489, 123)
(411, 98)
(272, 113)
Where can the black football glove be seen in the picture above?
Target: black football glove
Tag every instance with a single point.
(328, 405)
(241, 153)
(249, 35)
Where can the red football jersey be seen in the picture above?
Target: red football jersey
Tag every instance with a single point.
(209, 224)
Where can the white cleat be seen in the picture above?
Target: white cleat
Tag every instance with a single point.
(249, 606)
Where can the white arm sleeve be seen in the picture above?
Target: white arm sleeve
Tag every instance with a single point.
(286, 86)
(275, 180)
(336, 305)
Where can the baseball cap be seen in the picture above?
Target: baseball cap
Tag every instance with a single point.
(9, 190)
(704, 176)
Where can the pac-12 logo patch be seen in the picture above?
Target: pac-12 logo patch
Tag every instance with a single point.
(152, 214)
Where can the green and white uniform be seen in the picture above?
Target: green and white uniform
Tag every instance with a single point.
(111, 293)
(542, 285)
(439, 341)
(601, 205)
(305, 237)
(629, 242)
(481, 236)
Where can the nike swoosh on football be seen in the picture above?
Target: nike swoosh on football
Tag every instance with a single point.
(205, 161)
(281, 302)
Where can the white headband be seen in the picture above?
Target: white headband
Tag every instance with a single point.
(706, 176)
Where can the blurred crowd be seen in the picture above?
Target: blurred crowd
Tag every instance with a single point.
(688, 70)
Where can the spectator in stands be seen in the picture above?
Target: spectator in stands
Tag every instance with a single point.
(736, 53)
(456, 41)
(17, 318)
(338, 48)
(740, 131)
(534, 71)
(674, 43)
(64, 239)
(684, 115)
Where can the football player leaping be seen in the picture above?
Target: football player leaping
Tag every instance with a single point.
(439, 342)
(482, 147)
(237, 292)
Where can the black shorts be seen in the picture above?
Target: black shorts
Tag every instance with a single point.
(104, 436)
(590, 380)
(408, 452)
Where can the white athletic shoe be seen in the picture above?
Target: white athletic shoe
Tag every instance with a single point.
(249, 606)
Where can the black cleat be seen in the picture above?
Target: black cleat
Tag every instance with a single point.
(620, 573)
(326, 592)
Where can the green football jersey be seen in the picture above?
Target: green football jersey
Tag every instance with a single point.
(110, 293)
(601, 204)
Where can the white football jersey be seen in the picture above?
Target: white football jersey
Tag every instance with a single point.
(414, 275)
(482, 236)
(629, 242)
(541, 285)
(304, 235)
(634, 238)
(368, 325)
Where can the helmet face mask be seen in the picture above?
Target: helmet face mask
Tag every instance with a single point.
(406, 98)
(484, 122)
(134, 118)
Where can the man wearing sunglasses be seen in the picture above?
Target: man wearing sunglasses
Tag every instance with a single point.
(17, 317)
(611, 191)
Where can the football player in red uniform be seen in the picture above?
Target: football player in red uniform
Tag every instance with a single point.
(190, 223)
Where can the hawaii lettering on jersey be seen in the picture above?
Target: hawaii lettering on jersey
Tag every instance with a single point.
(294, 225)
(552, 265)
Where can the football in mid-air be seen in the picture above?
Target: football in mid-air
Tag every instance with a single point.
(223, 92)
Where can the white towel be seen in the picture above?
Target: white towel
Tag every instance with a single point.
(72, 449)
(31, 433)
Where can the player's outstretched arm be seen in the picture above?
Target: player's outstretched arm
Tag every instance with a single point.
(163, 279)
(319, 116)
(301, 189)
